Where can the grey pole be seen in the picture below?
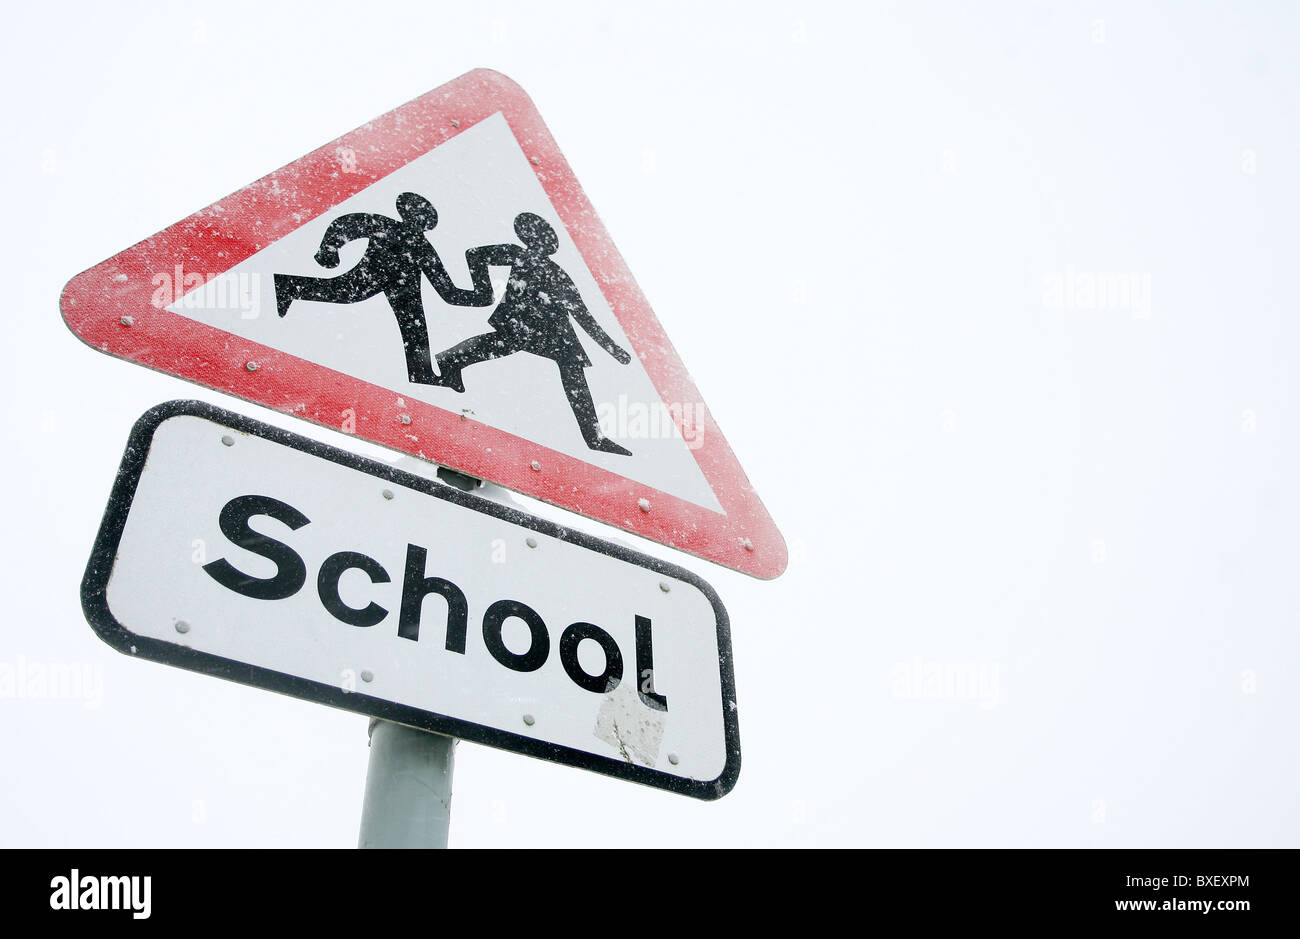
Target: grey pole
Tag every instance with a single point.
(408, 788)
(408, 781)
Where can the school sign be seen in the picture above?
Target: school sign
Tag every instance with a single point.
(437, 282)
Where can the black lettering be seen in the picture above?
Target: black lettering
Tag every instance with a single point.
(645, 667)
(608, 679)
(327, 586)
(415, 587)
(539, 648)
(290, 573)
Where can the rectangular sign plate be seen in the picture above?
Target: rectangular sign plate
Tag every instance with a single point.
(243, 551)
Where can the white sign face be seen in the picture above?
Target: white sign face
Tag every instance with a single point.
(240, 550)
(480, 180)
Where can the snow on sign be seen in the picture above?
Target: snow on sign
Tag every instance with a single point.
(243, 551)
(436, 281)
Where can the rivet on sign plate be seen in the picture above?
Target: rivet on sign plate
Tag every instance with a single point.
(227, 440)
(663, 585)
(672, 758)
(367, 675)
(537, 467)
(388, 494)
(534, 161)
(529, 720)
(404, 418)
(643, 505)
(252, 366)
(182, 626)
(128, 321)
(747, 544)
(530, 541)
(455, 123)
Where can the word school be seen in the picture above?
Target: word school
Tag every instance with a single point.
(291, 575)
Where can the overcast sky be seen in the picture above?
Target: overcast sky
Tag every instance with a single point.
(874, 233)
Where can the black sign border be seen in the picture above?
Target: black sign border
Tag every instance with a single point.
(94, 603)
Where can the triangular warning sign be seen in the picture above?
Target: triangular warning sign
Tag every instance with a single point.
(437, 282)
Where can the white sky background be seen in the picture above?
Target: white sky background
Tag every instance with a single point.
(843, 218)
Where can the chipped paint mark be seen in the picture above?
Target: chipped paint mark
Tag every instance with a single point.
(625, 723)
(622, 747)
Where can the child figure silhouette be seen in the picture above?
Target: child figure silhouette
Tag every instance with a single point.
(397, 253)
(535, 315)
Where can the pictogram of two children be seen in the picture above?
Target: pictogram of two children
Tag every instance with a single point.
(536, 312)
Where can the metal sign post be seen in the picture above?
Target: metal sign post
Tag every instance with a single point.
(408, 780)
(408, 788)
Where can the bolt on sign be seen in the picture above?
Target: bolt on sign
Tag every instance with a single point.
(437, 282)
(239, 550)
